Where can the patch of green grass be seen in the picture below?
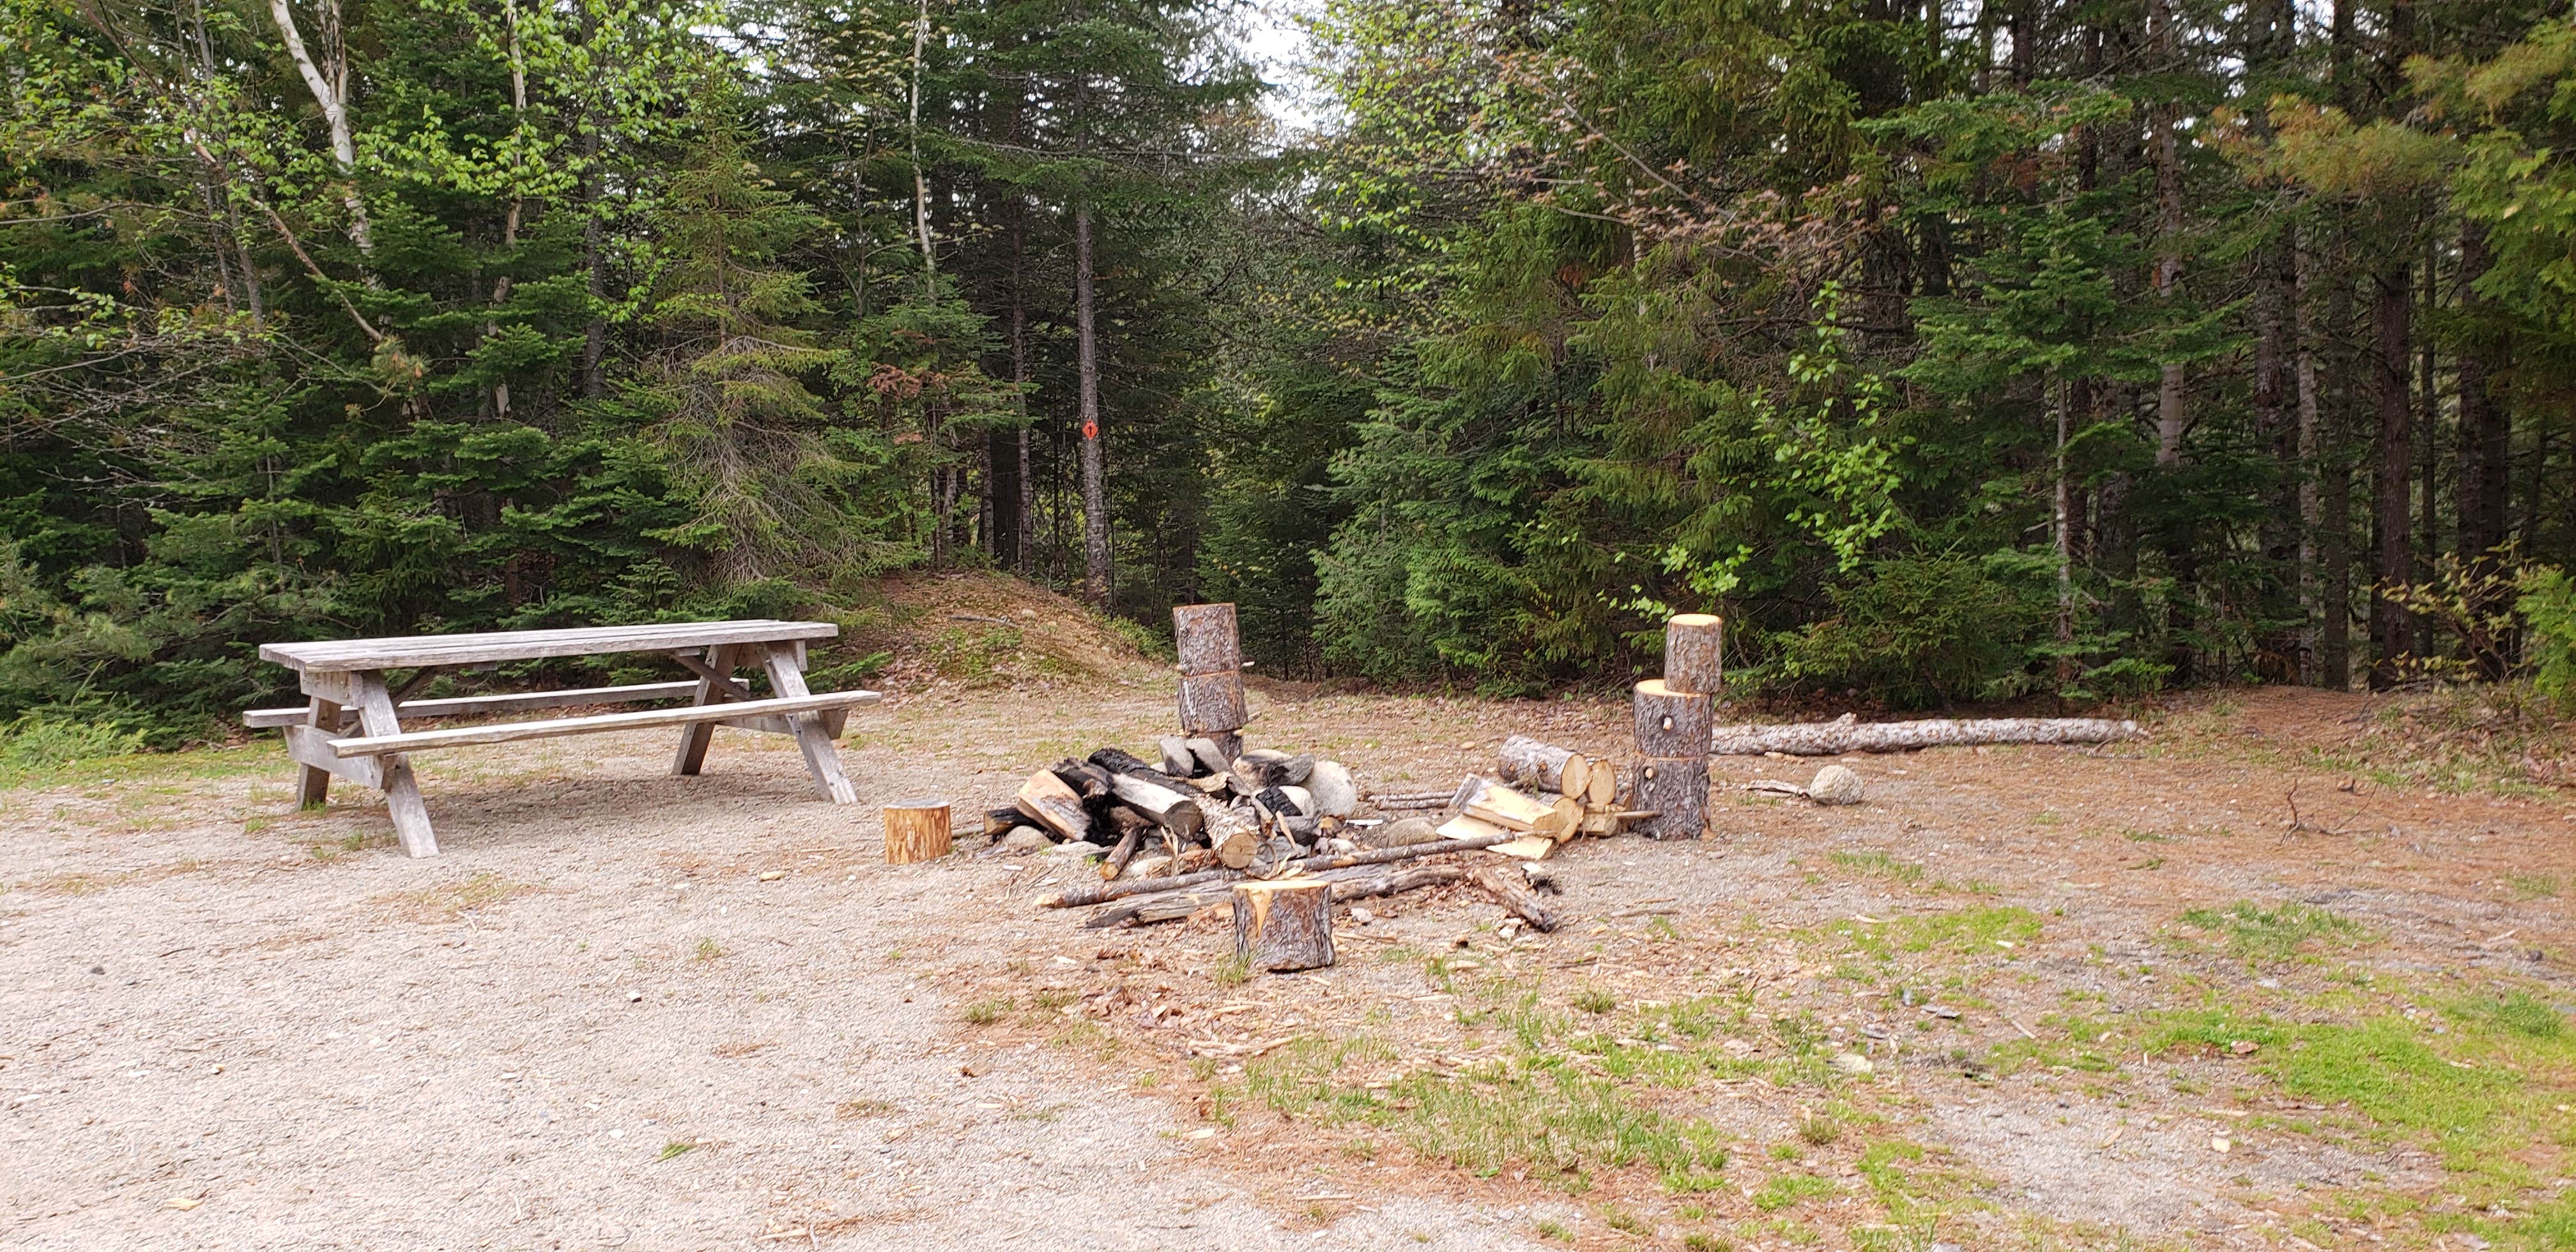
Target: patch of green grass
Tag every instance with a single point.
(2534, 886)
(987, 1012)
(1960, 932)
(2144, 836)
(1625, 1222)
(707, 950)
(1595, 1000)
(1702, 1241)
(1555, 1230)
(1879, 864)
(1232, 972)
(675, 1148)
(2278, 933)
(1783, 1190)
(1820, 1130)
(2517, 1013)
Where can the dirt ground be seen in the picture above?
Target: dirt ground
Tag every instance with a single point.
(2019, 998)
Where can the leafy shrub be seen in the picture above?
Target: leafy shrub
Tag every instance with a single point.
(1920, 630)
(2548, 609)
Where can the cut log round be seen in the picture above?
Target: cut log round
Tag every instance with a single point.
(1847, 735)
(1694, 653)
(1212, 704)
(1604, 790)
(1235, 832)
(916, 830)
(1671, 724)
(1284, 924)
(1676, 791)
(1049, 802)
(1534, 766)
(1206, 639)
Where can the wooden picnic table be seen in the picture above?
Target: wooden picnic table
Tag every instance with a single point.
(348, 685)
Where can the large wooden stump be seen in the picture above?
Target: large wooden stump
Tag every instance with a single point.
(1672, 724)
(1694, 653)
(916, 830)
(1284, 924)
(1676, 791)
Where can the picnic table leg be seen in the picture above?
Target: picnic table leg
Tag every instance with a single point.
(694, 738)
(787, 678)
(402, 791)
(312, 784)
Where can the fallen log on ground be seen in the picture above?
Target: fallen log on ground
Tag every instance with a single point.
(1102, 893)
(1354, 883)
(1850, 735)
(1512, 891)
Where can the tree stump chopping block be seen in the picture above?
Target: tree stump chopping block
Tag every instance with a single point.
(1672, 724)
(1676, 792)
(1284, 924)
(1694, 654)
(916, 830)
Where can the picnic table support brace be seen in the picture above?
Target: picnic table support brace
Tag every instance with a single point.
(715, 679)
(402, 792)
(787, 678)
(312, 783)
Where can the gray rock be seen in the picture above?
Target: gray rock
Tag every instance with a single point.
(1027, 839)
(1335, 794)
(1835, 784)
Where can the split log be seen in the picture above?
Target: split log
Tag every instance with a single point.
(1087, 780)
(1235, 832)
(1527, 763)
(1176, 809)
(1214, 752)
(998, 822)
(1206, 639)
(1512, 891)
(1671, 724)
(1850, 735)
(1052, 804)
(1284, 925)
(1694, 653)
(1124, 850)
(1177, 760)
(1676, 791)
(1553, 817)
(1212, 704)
(916, 830)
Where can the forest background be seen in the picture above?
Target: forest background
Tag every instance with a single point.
(1954, 351)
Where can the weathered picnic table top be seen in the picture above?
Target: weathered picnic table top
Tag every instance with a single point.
(407, 651)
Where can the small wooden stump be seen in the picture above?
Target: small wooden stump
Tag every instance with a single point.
(1285, 924)
(1676, 791)
(1672, 724)
(916, 830)
(1694, 653)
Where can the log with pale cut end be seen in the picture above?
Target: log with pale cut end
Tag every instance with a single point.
(1511, 889)
(1676, 791)
(916, 830)
(1848, 735)
(1604, 791)
(1234, 831)
(1212, 704)
(1671, 724)
(1049, 802)
(1534, 766)
(1284, 924)
(1175, 809)
(1206, 640)
(1694, 653)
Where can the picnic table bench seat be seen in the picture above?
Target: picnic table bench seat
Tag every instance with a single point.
(345, 681)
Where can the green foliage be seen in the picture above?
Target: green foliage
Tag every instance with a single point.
(2548, 611)
(2278, 933)
(1921, 630)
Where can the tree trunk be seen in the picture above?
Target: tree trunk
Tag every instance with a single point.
(2164, 149)
(1671, 723)
(330, 88)
(1284, 925)
(1095, 492)
(2334, 497)
(2392, 517)
(1695, 653)
(2310, 465)
(1851, 735)
(2486, 433)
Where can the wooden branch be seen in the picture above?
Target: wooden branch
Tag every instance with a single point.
(1850, 735)
(1358, 883)
(1512, 891)
(1077, 896)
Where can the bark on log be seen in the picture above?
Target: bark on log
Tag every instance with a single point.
(1124, 851)
(1671, 724)
(1078, 896)
(1206, 639)
(1512, 891)
(1087, 780)
(1529, 764)
(1175, 809)
(1694, 653)
(1212, 704)
(998, 822)
(1848, 735)
(1677, 792)
(1284, 925)
(1235, 832)
(916, 830)
(1051, 804)
(1352, 884)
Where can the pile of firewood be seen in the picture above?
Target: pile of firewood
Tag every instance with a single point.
(1191, 810)
(1540, 797)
